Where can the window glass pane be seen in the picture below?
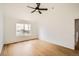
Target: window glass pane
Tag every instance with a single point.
(22, 29)
(26, 26)
(19, 26)
(29, 26)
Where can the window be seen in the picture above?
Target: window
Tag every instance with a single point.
(22, 29)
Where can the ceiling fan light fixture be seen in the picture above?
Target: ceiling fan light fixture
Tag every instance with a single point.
(38, 9)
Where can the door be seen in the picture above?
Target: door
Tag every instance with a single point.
(76, 34)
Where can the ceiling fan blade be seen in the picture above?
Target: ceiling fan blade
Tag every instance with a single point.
(30, 7)
(43, 9)
(39, 11)
(33, 11)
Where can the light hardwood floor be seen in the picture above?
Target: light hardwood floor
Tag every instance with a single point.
(36, 48)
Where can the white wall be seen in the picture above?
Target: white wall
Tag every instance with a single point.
(10, 31)
(58, 25)
(15, 13)
(1, 28)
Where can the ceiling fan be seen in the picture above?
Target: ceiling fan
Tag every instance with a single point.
(37, 8)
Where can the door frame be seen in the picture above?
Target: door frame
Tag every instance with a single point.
(75, 32)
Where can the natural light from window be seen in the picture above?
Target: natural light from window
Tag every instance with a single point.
(23, 29)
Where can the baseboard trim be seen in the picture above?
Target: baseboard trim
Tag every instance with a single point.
(21, 41)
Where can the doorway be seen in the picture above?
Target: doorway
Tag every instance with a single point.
(76, 34)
